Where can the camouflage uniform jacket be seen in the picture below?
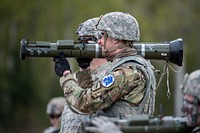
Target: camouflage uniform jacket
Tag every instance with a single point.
(71, 121)
(127, 82)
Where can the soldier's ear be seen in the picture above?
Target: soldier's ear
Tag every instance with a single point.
(115, 41)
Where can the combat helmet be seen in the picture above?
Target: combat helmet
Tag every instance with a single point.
(191, 84)
(119, 25)
(55, 106)
(87, 29)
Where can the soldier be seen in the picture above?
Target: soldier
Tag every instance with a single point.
(124, 85)
(54, 110)
(191, 99)
(71, 122)
(87, 34)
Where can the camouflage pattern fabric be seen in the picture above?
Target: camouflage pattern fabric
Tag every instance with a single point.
(121, 108)
(127, 26)
(84, 78)
(191, 99)
(55, 105)
(191, 84)
(71, 122)
(124, 83)
(87, 28)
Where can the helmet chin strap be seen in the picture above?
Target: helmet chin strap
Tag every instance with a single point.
(105, 52)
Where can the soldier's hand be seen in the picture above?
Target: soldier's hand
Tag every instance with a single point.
(84, 62)
(102, 124)
(61, 64)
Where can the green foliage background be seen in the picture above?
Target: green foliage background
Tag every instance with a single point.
(26, 86)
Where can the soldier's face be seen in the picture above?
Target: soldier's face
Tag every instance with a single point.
(55, 119)
(188, 104)
(105, 41)
(191, 107)
(102, 39)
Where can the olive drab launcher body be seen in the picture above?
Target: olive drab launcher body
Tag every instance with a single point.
(147, 124)
(169, 51)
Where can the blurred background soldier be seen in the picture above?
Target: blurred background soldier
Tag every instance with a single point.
(54, 111)
(71, 122)
(191, 100)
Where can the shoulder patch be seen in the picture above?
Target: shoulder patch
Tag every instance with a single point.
(108, 80)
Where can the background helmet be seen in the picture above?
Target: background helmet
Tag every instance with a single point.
(87, 28)
(191, 84)
(119, 25)
(55, 105)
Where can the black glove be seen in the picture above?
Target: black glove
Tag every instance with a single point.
(84, 62)
(61, 64)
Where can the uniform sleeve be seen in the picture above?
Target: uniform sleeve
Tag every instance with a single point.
(108, 89)
(84, 78)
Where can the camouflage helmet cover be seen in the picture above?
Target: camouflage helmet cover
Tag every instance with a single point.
(191, 84)
(87, 28)
(55, 105)
(119, 25)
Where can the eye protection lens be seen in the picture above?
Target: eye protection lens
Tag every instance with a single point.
(87, 39)
(53, 116)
